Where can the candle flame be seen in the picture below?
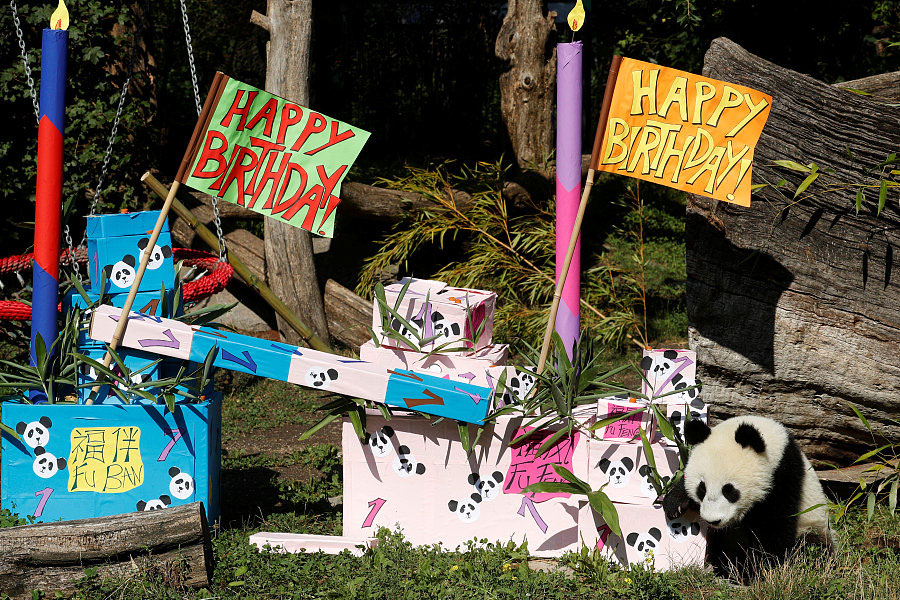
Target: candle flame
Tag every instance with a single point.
(575, 18)
(60, 17)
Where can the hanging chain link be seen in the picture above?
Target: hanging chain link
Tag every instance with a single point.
(190, 51)
(21, 36)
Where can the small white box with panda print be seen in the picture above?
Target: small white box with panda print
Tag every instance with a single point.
(440, 317)
(648, 538)
(667, 370)
(625, 429)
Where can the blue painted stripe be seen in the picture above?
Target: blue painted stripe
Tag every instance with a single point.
(54, 61)
(43, 308)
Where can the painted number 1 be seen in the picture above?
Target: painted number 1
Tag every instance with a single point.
(45, 495)
(376, 505)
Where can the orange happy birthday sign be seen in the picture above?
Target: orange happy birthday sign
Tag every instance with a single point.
(684, 131)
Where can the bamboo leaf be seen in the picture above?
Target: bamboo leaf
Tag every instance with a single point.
(892, 496)
(871, 453)
(860, 416)
(10, 431)
(665, 427)
(358, 419)
(571, 478)
(463, 435)
(610, 420)
(793, 166)
(553, 487)
(882, 196)
(604, 507)
(551, 441)
(859, 200)
(322, 423)
(806, 183)
(870, 506)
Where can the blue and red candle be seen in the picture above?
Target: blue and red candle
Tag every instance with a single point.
(48, 206)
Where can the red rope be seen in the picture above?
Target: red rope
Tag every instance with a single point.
(218, 276)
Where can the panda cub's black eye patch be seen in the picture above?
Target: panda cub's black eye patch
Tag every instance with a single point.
(701, 490)
(731, 493)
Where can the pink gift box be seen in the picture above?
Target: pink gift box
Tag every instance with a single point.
(625, 471)
(302, 542)
(648, 537)
(667, 369)
(626, 429)
(471, 367)
(433, 308)
(416, 476)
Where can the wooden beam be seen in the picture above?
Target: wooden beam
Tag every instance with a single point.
(52, 557)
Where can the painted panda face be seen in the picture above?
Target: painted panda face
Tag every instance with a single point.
(645, 543)
(157, 255)
(731, 467)
(163, 502)
(405, 463)
(380, 441)
(182, 485)
(489, 487)
(520, 384)
(659, 368)
(320, 378)
(411, 335)
(618, 471)
(36, 433)
(682, 530)
(45, 464)
(442, 328)
(647, 487)
(689, 397)
(122, 273)
(467, 509)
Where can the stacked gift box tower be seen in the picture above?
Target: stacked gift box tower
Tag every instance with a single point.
(117, 455)
(416, 475)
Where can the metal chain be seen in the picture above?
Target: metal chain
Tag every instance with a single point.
(21, 36)
(190, 51)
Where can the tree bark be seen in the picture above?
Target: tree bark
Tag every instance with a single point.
(527, 88)
(793, 303)
(52, 557)
(290, 268)
(349, 315)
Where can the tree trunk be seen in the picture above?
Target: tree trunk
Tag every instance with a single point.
(290, 269)
(52, 557)
(349, 315)
(792, 303)
(527, 88)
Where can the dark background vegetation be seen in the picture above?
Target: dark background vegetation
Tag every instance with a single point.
(420, 75)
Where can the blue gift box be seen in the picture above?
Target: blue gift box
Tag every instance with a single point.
(113, 263)
(76, 461)
(148, 303)
(135, 360)
(114, 225)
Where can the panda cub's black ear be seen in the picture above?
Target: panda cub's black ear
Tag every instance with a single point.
(748, 435)
(696, 432)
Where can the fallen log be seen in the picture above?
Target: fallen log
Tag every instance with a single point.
(348, 315)
(52, 557)
(792, 303)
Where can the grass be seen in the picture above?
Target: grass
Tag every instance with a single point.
(292, 489)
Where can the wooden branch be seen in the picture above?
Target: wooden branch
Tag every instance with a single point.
(792, 303)
(260, 20)
(348, 315)
(52, 557)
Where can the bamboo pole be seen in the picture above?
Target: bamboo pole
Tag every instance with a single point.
(240, 268)
(579, 217)
(212, 98)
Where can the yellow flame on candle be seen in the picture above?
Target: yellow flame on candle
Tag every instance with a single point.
(60, 17)
(575, 18)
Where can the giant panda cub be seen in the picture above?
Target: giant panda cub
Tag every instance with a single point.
(750, 482)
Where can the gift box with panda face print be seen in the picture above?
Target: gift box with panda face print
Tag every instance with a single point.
(625, 472)
(76, 462)
(627, 428)
(411, 474)
(672, 380)
(143, 366)
(115, 249)
(439, 316)
(648, 538)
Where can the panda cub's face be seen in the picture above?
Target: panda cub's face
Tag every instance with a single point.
(731, 466)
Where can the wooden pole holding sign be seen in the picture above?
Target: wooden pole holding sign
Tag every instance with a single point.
(579, 216)
(212, 98)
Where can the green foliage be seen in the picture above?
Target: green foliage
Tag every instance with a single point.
(882, 468)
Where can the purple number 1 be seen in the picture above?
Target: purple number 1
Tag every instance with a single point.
(45, 495)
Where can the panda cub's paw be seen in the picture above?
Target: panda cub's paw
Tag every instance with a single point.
(676, 501)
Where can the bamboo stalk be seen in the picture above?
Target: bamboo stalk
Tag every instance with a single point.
(240, 268)
(576, 229)
(212, 97)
